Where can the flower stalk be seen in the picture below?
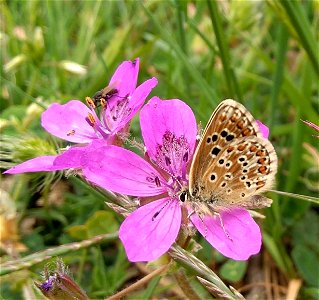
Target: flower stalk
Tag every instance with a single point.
(41, 256)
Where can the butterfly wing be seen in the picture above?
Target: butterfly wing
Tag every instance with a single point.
(241, 171)
(229, 121)
(232, 134)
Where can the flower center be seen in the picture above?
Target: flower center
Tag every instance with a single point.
(173, 156)
(117, 110)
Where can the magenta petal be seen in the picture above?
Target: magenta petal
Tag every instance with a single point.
(136, 101)
(159, 116)
(38, 164)
(59, 120)
(263, 129)
(73, 157)
(149, 232)
(122, 171)
(245, 236)
(70, 159)
(125, 77)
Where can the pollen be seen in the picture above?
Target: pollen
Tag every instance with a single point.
(90, 102)
(91, 119)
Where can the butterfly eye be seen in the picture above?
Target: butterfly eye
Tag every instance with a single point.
(183, 196)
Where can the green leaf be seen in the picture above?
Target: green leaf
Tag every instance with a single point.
(99, 223)
(306, 261)
(233, 271)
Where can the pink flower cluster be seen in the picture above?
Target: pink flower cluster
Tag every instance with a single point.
(169, 132)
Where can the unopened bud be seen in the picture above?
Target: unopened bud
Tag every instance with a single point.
(58, 285)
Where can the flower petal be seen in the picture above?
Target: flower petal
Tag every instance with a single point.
(263, 129)
(38, 164)
(159, 116)
(122, 171)
(73, 157)
(135, 102)
(149, 232)
(244, 234)
(60, 120)
(125, 77)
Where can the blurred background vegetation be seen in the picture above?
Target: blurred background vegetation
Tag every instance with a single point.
(261, 53)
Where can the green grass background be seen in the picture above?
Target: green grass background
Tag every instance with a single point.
(261, 53)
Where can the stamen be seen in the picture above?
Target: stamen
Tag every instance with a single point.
(90, 102)
(91, 119)
(158, 212)
(157, 182)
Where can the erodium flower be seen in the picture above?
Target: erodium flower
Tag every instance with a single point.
(75, 122)
(169, 131)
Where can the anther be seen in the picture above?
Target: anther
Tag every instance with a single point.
(157, 182)
(155, 215)
(91, 119)
(90, 102)
(167, 161)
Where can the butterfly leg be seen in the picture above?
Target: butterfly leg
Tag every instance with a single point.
(201, 218)
(222, 224)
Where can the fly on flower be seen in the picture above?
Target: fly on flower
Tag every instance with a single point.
(102, 96)
(169, 132)
(78, 123)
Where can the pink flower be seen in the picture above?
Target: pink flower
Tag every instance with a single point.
(169, 132)
(75, 122)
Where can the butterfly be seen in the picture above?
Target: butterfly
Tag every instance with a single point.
(233, 162)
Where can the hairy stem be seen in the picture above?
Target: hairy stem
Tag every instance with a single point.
(139, 284)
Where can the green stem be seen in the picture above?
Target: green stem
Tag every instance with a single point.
(297, 196)
(139, 284)
(197, 266)
(38, 257)
(185, 286)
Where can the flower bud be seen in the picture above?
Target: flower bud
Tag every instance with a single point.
(58, 285)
